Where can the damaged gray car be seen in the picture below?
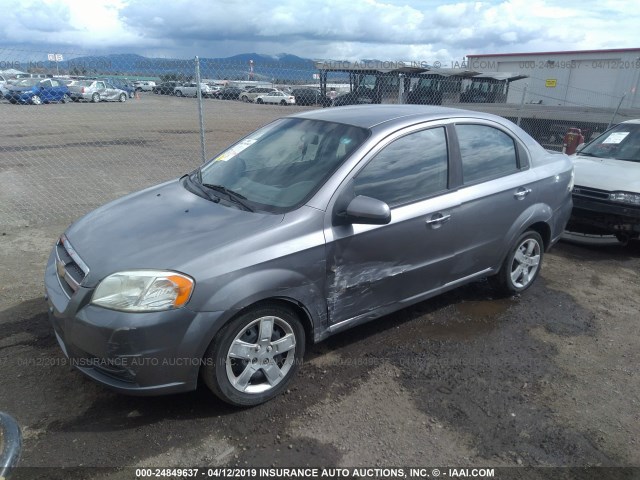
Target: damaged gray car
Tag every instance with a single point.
(312, 224)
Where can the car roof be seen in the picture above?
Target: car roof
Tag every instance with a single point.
(369, 116)
(635, 120)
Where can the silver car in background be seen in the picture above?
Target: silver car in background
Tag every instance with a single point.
(312, 224)
(96, 91)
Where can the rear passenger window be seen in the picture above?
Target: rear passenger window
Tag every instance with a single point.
(486, 152)
(407, 170)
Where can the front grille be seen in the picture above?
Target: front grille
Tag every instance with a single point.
(69, 266)
(587, 192)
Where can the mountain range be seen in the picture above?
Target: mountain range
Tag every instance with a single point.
(238, 67)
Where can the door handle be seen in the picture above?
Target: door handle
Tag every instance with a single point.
(438, 220)
(521, 193)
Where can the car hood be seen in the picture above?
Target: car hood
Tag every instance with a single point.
(607, 174)
(163, 227)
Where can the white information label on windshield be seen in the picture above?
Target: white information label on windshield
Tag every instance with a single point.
(236, 149)
(615, 137)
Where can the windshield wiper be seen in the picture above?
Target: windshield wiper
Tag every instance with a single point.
(198, 186)
(234, 196)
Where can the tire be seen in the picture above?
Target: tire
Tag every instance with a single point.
(95, 98)
(522, 266)
(240, 378)
(178, 93)
(245, 99)
(123, 97)
(283, 102)
(36, 100)
(259, 100)
(65, 98)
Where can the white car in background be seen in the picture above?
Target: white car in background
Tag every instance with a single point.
(277, 97)
(144, 85)
(191, 90)
(606, 196)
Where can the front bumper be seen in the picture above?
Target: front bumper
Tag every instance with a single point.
(133, 353)
(593, 216)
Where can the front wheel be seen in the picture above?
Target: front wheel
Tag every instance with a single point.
(255, 356)
(95, 98)
(123, 97)
(36, 100)
(259, 100)
(65, 98)
(178, 93)
(522, 265)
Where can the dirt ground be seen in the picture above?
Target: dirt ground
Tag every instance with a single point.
(548, 378)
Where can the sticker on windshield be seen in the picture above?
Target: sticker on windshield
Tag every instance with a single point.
(615, 137)
(236, 149)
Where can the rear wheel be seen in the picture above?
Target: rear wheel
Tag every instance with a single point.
(123, 97)
(255, 356)
(178, 93)
(283, 102)
(522, 265)
(65, 98)
(95, 98)
(36, 100)
(259, 100)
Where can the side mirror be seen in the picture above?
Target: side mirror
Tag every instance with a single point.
(367, 210)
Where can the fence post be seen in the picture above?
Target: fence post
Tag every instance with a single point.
(616, 112)
(524, 94)
(200, 116)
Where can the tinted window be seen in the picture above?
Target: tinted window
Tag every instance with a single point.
(409, 169)
(486, 152)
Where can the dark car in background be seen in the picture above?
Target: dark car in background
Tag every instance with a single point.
(228, 93)
(309, 96)
(166, 88)
(36, 91)
(313, 224)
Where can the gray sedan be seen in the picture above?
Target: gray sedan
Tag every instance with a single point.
(96, 91)
(312, 224)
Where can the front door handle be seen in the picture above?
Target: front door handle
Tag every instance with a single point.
(521, 193)
(437, 219)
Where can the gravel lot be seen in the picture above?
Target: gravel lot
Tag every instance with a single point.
(549, 378)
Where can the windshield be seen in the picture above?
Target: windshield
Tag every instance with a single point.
(279, 166)
(622, 142)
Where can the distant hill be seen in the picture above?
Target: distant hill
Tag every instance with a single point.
(282, 67)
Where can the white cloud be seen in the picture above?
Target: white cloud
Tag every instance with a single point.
(356, 29)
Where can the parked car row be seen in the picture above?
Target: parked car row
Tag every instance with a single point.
(36, 91)
(262, 95)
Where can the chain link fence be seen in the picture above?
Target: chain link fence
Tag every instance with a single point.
(79, 130)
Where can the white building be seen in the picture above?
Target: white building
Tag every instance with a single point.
(594, 78)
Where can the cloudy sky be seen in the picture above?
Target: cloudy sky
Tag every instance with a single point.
(418, 30)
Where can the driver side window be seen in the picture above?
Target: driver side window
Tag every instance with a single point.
(407, 170)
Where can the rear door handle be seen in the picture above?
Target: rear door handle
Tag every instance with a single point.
(521, 193)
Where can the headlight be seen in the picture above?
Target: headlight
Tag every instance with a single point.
(625, 197)
(143, 291)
